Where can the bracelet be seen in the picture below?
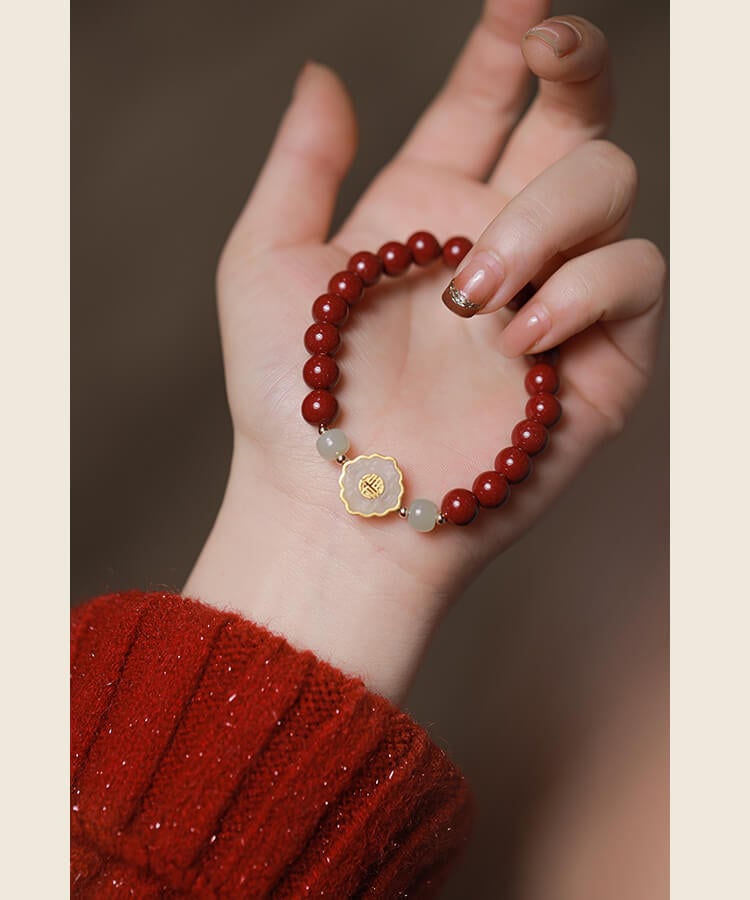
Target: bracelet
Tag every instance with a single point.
(373, 485)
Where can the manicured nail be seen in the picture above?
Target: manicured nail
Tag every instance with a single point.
(561, 37)
(525, 331)
(474, 285)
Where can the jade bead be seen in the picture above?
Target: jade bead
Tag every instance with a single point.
(422, 515)
(332, 443)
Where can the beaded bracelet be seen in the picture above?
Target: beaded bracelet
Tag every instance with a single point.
(373, 485)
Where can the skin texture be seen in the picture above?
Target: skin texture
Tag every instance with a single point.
(439, 393)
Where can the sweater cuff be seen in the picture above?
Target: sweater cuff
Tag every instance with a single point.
(210, 757)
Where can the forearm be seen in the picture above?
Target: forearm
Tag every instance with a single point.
(317, 579)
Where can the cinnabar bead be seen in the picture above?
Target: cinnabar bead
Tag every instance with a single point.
(454, 250)
(348, 285)
(513, 463)
(491, 489)
(322, 338)
(396, 258)
(542, 378)
(320, 371)
(459, 506)
(368, 266)
(544, 408)
(424, 247)
(319, 408)
(530, 436)
(331, 308)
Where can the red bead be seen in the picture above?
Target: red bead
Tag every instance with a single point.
(368, 266)
(322, 338)
(491, 489)
(513, 463)
(348, 285)
(396, 258)
(320, 371)
(319, 408)
(529, 435)
(544, 408)
(542, 378)
(459, 506)
(331, 308)
(454, 250)
(424, 247)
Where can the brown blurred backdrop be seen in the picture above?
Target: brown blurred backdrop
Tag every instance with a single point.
(548, 682)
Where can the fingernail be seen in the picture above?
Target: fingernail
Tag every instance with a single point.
(561, 37)
(525, 331)
(474, 285)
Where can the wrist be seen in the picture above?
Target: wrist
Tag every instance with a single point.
(307, 571)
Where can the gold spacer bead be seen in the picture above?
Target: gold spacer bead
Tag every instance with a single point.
(403, 512)
(322, 429)
(440, 520)
(341, 459)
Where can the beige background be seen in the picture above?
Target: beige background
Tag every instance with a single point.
(547, 683)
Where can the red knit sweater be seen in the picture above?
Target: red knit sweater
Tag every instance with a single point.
(209, 758)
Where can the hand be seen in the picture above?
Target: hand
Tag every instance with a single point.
(439, 393)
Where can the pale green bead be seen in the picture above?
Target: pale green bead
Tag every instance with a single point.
(332, 443)
(422, 515)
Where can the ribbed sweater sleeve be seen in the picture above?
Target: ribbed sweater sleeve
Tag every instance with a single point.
(210, 758)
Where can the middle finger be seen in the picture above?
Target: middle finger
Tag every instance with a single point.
(583, 195)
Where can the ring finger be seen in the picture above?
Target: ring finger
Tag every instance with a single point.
(619, 282)
(589, 192)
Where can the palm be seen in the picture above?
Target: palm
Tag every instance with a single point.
(417, 383)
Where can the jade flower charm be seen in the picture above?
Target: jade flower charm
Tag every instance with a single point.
(371, 485)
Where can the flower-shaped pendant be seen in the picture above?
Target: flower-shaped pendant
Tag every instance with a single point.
(371, 485)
